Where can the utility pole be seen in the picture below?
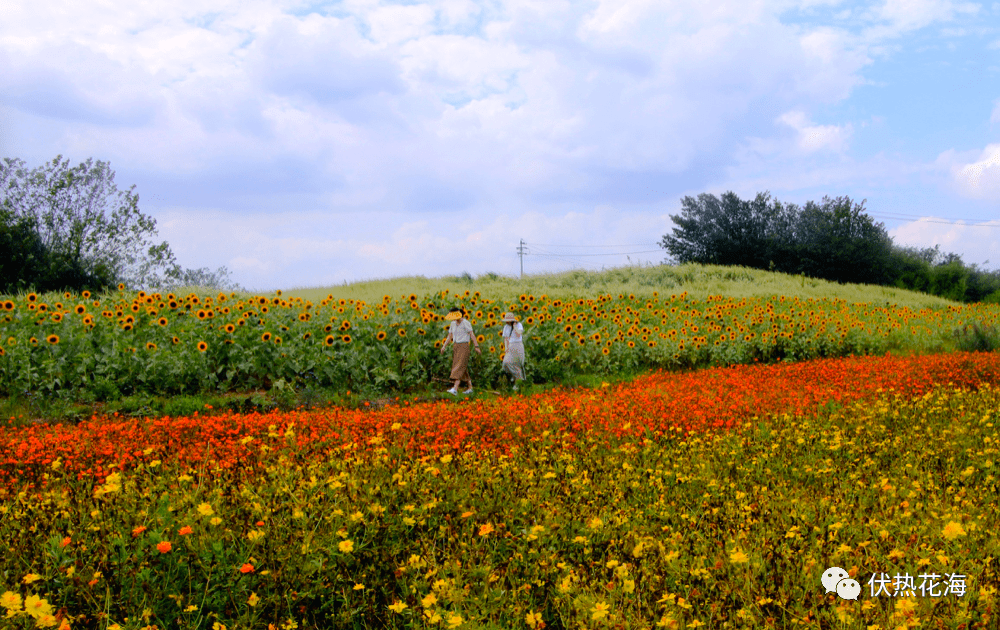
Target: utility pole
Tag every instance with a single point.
(521, 251)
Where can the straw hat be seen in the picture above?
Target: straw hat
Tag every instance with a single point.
(509, 317)
(453, 314)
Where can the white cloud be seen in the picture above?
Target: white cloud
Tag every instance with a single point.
(980, 179)
(976, 243)
(813, 138)
(908, 15)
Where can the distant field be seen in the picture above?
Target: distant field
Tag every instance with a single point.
(382, 338)
(699, 281)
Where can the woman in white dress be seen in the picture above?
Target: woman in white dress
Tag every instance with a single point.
(513, 343)
(461, 336)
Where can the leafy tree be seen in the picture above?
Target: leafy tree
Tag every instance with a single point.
(88, 226)
(23, 257)
(730, 231)
(836, 240)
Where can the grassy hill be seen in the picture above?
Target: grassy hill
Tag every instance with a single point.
(700, 281)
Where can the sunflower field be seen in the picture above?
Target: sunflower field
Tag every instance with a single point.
(84, 347)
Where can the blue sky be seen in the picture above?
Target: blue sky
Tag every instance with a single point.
(309, 143)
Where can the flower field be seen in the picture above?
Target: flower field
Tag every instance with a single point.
(84, 347)
(710, 499)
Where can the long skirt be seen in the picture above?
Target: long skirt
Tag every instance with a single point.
(513, 360)
(460, 362)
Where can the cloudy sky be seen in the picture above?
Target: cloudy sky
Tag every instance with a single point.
(306, 143)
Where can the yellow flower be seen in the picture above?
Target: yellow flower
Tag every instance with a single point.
(600, 610)
(695, 624)
(253, 600)
(738, 557)
(359, 587)
(953, 530)
(432, 616)
(628, 586)
(191, 608)
(429, 601)
(486, 529)
(398, 607)
(205, 509)
(346, 546)
(31, 577)
(408, 521)
(454, 621)
(532, 619)
(46, 621)
(905, 605)
(36, 606)
(215, 520)
(11, 601)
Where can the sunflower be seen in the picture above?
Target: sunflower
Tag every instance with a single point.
(241, 322)
(57, 317)
(53, 339)
(32, 297)
(162, 321)
(277, 341)
(202, 346)
(150, 345)
(651, 344)
(581, 340)
(33, 341)
(565, 344)
(381, 335)
(175, 340)
(401, 332)
(8, 305)
(529, 321)
(126, 326)
(346, 325)
(480, 338)
(329, 340)
(304, 317)
(346, 339)
(265, 337)
(631, 344)
(88, 320)
(230, 328)
(523, 298)
(172, 304)
(202, 314)
(421, 331)
(80, 309)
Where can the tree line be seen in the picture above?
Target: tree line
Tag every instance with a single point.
(65, 227)
(832, 240)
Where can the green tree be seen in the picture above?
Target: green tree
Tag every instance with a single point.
(731, 231)
(836, 240)
(89, 228)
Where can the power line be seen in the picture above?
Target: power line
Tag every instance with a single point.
(919, 219)
(632, 245)
(556, 254)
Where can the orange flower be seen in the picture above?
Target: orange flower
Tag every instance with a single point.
(184, 531)
(246, 568)
(138, 530)
(164, 547)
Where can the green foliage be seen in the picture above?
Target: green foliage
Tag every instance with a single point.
(84, 221)
(834, 240)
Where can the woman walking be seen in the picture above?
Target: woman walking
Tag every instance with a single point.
(513, 344)
(460, 334)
